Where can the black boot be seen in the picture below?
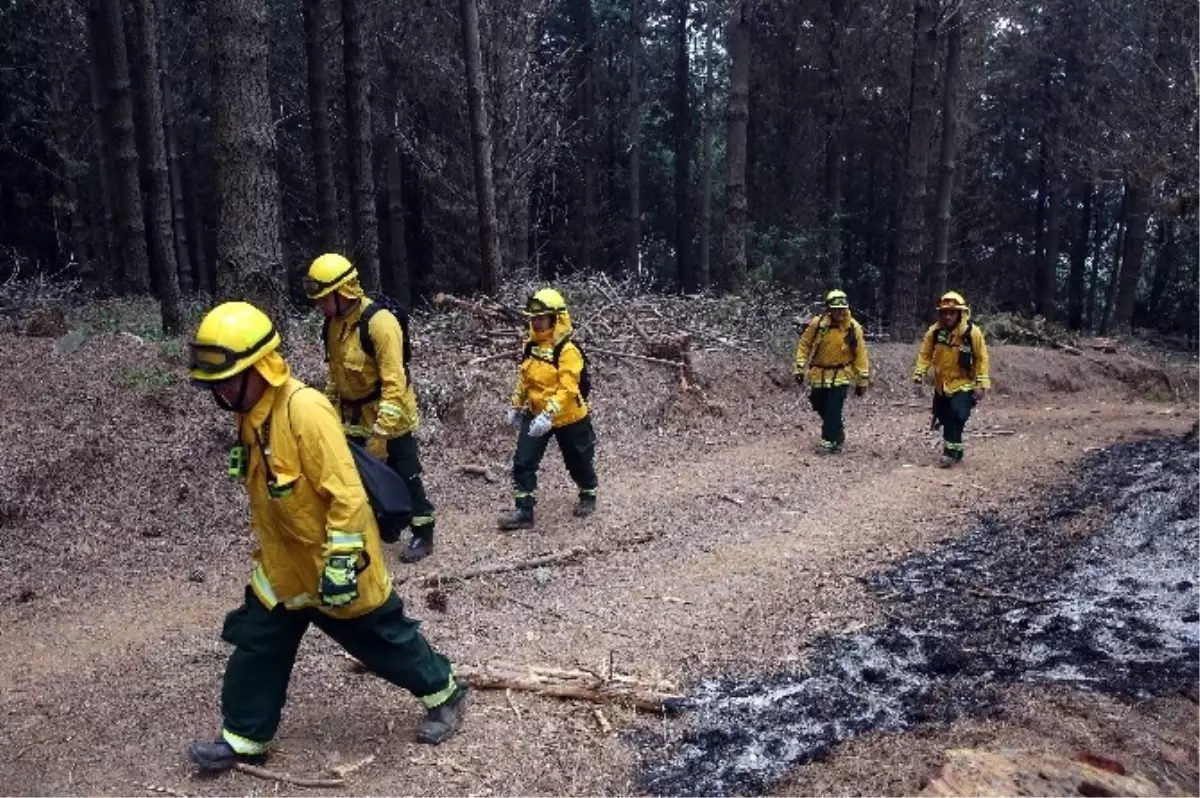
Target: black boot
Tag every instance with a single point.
(444, 719)
(585, 507)
(420, 547)
(219, 756)
(521, 518)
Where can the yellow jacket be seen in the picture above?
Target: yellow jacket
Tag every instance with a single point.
(353, 376)
(940, 349)
(305, 495)
(541, 385)
(824, 350)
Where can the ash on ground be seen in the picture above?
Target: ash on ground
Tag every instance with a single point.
(1013, 600)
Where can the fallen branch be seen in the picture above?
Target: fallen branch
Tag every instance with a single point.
(341, 771)
(589, 688)
(632, 356)
(285, 778)
(605, 726)
(475, 361)
(554, 558)
(492, 312)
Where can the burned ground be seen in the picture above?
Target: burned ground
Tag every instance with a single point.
(1108, 604)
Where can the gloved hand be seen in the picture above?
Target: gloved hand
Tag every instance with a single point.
(377, 446)
(541, 424)
(859, 390)
(979, 393)
(513, 419)
(339, 580)
(800, 379)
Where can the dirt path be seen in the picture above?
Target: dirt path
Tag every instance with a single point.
(757, 549)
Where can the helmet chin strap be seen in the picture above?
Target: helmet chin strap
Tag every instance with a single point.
(338, 310)
(235, 407)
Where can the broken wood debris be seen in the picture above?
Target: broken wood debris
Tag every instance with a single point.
(287, 778)
(574, 684)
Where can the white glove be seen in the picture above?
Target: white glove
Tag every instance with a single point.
(540, 425)
(513, 419)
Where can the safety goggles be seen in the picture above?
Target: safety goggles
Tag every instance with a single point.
(535, 307)
(215, 359)
(312, 286)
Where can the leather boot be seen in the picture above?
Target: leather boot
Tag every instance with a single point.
(219, 756)
(585, 507)
(444, 719)
(420, 547)
(521, 518)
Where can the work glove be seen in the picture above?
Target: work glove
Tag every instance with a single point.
(859, 390)
(800, 379)
(540, 424)
(339, 580)
(513, 419)
(377, 446)
(979, 393)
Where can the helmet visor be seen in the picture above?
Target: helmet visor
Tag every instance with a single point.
(315, 289)
(217, 360)
(536, 307)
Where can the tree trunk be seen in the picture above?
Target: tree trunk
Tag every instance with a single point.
(481, 146)
(67, 194)
(1131, 256)
(1079, 253)
(736, 209)
(174, 165)
(948, 157)
(912, 213)
(130, 223)
(1164, 268)
(318, 118)
(364, 228)
(249, 261)
(586, 34)
(1049, 212)
(633, 236)
(829, 259)
(162, 244)
(682, 134)
(198, 236)
(1114, 278)
(1099, 233)
(704, 276)
(397, 252)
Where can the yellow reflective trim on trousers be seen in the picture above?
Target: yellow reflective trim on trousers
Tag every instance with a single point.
(587, 491)
(244, 745)
(356, 431)
(422, 520)
(441, 696)
(525, 494)
(955, 447)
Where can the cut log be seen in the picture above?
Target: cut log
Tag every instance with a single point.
(989, 773)
(591, 688)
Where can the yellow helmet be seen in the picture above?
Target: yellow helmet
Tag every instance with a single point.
(230, 339)
(837, 299)
(545, 301)
(328, 273)
(952, 300)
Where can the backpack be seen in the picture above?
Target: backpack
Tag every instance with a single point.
(387, 492)
(382, 302)
(585, 377)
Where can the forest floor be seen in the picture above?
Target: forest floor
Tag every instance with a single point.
(733, 556)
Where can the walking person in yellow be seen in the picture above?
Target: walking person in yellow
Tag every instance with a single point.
(956, 350)
(831, 355)
(550, 400)
(319, 559)
(368, 350)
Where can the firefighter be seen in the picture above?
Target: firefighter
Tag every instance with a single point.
(369, 382)
(550, 400)
(832, 355)
(319, 558)
(955, 347)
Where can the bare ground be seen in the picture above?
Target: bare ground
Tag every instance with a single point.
(123, 546)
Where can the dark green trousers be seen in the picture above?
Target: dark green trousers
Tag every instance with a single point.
(404, 457)
(829, 403)
(953, 412)
(576, 441)
(265, 641)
